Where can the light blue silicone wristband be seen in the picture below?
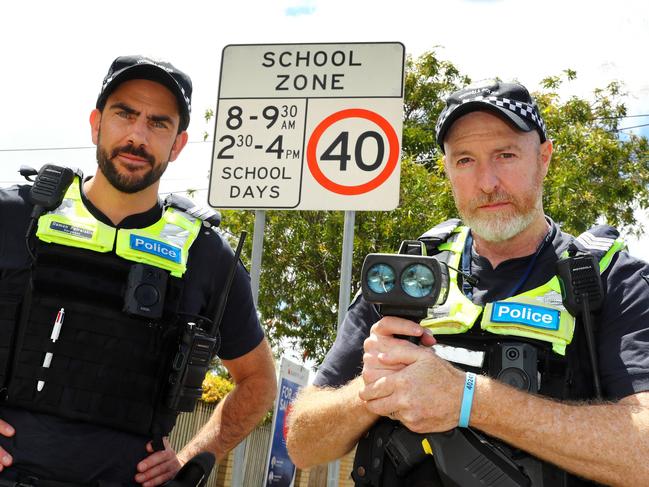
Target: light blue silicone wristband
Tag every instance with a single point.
(467, 400)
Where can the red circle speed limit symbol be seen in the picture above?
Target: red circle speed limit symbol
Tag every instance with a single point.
(339, 151)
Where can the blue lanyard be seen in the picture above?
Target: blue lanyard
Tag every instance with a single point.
(467, 289)
(528, 271)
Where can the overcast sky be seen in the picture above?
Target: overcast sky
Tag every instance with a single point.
(55, 55)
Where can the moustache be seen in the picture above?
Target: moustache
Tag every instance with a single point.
(490, 199)
(136, 151)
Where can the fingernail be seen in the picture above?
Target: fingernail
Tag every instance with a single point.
(6, 460)
(9, 430)
(428, 332)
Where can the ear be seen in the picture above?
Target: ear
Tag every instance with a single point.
(95, 122)
(545, 152)
(179, 144)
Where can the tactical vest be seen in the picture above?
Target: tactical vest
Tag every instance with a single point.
(535, 318)
(108, 366)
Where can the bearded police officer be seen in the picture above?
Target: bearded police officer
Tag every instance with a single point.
(513, 375)
(108, 303)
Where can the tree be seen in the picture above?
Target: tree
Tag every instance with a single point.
(594, 174)
(427, 83)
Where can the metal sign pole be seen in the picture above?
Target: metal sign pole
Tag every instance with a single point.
(333, 469)
(346, 266)
(239, 461)
(257, 251)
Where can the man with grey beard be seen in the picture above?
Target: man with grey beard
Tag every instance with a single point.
(502, 360)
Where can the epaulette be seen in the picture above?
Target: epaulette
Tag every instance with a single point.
(439, 234)
(208, 216)
(598, 239)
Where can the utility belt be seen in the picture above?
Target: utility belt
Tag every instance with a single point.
(461, 457)
(391, 455)
(30, 481)
(194, 473)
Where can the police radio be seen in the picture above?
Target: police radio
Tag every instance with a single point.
(46, 193)
(582, 292)
(189, 368)
(195, 350)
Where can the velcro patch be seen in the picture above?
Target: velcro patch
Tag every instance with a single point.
(525, 314)
(155, 247)
(71, 230)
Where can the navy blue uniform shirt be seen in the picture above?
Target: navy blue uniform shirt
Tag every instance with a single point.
(622, 332)
(53, 448)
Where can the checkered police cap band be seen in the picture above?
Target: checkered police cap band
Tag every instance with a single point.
(523, 112)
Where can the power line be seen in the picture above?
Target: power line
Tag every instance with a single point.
(34, 149)
(39, 149)
(622, 116)
(186, 190)
(632, 127)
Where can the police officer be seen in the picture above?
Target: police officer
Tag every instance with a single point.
(100, 410)
(496, 155)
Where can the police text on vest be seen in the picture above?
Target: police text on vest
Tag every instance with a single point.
(525, 314)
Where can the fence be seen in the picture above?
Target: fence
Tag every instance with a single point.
(257, 443)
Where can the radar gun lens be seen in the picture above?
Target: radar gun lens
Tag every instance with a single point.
(417, 280)
(380, 278)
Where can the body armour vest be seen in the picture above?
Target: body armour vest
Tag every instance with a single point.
(99, 326)
(528, 340)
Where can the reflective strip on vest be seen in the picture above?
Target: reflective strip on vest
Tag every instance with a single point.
(71, 224)
(538, 313)
(165, 244)
(458, 313)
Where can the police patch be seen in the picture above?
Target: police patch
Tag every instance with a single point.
(155, 247)
(525, 314)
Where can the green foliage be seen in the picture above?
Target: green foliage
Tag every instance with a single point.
(594, 173)
(209, 113)
(428, 81)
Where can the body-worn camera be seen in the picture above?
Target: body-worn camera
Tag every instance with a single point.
(403, 284)
(145, 291)
(515, 364)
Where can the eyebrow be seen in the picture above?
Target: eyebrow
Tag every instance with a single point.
(132, 111)
(507, 147)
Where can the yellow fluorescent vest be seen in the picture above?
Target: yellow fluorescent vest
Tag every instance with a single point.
(538, 313)
(165, 244)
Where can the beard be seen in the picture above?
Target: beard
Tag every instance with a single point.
(129, 182)
(506, 224)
